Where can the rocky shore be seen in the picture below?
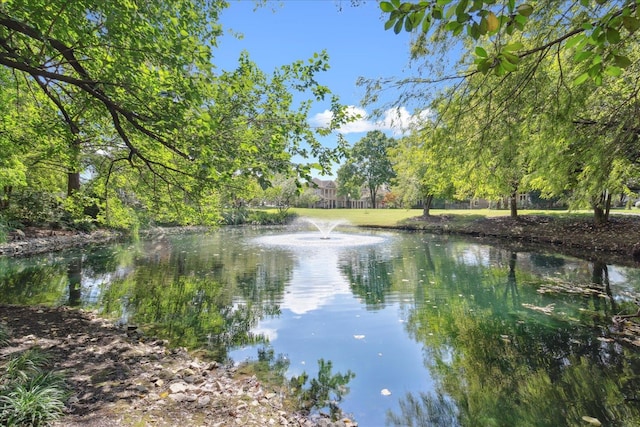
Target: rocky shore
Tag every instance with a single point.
(120, 378)
(34, 241)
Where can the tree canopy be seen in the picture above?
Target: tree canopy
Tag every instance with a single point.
(368, 165)
(128, 94)
(526, 95)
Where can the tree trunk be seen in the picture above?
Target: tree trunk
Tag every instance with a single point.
(513, 205)
(426, 207)
(73, 182)
(372, 191)
(602, 208)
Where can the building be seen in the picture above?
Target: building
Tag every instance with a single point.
(327, 191)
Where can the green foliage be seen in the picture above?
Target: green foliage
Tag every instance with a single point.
(368, 165)
(29, 394)
(165, 150)
(36, 402)
(596, 34)
(243, 216)
(33, 207)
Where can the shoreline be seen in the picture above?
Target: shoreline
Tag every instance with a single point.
(615, 242)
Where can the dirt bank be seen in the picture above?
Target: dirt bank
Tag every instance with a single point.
(617, 241)
(119, 378)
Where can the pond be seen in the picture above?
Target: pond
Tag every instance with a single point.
(429, 330)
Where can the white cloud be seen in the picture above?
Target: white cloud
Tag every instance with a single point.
(397, 120)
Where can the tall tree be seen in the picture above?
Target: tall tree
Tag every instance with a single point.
(369, 163)
(525, 75)
(139, 81)
(423, 170)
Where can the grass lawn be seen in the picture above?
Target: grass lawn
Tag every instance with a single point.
(391, 217)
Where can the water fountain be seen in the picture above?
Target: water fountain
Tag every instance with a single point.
(324, 227)
(323, 235)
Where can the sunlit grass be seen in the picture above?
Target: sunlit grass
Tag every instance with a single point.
(392, 217)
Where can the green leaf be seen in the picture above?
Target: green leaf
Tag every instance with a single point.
(481, 52)
(426, 24)
(461, 8)
(397, 28)
(484, 66)
(525, 9)
(408, 23)
(462, 18)
(474, 31)
(574, 41)
(631, 23)
(512, 47)
(452, 26)
(483, 26)
(613, 36)
(581, 79)
(582, 56)
(508, 66)
(389, 23)
(621, 61)
(613, 71)
(386, 7)
(511, 58)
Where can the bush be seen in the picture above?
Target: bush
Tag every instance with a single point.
(29, 394)
(256, 217)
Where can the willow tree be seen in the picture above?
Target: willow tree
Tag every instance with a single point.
(139, 81)
(509, 48)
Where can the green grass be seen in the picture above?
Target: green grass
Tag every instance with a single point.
(394, 217)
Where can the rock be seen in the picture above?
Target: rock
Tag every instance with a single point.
(178, 387)
(203, 401)
(178, 397)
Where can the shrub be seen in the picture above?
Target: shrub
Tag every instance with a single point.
(29, 395)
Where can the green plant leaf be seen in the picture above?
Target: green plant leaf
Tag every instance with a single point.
(481, 52)
(525, 9)
(581, 79)
(613, 71)
(387, 7)
(621, 61)
(512, 47)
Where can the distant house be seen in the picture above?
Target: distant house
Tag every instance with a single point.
(327, 191)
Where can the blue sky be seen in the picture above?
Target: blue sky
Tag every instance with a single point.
(286, 31)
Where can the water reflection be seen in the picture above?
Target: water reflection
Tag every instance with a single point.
(459, 333)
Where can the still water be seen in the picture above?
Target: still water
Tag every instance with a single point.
(436, 330)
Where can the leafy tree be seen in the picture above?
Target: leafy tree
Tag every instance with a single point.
(423, 171)
(369, 164)
(348, 186)
(136, 85)
(283, 193)
(541, 96)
